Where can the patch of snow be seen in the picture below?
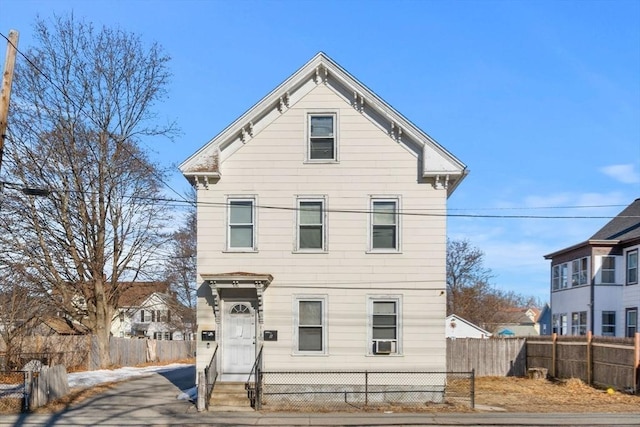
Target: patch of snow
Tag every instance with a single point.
(89, 378)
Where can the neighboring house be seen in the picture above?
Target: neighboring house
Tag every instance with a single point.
(594, 284)
(55, 325)
(457, 327)
(149, 310)
(518, 322)
(544, 321)
(322, 233)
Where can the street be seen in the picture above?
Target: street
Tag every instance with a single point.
(151, 400)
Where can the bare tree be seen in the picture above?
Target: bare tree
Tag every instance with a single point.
(82, 103)
(469, 291)
(20, 309)
(180, 268)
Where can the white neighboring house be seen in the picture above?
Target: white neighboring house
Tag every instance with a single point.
(147, 310)
(457, 327)
(322, 233)
(594, 284)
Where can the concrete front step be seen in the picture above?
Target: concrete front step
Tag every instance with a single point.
(229, 396)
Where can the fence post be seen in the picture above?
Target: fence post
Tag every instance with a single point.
(589, 358)
(366, 388)
(201, 403)
(473, 389)
(636, 364)
(554, 343)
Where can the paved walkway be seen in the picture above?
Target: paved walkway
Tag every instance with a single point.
(151, 401)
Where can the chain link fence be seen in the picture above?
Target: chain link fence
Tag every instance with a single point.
(340, 390)
(14, 391)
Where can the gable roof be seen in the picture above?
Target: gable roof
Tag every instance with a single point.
(136, 293)
(455, 317)
(436, 162)
(625, 227)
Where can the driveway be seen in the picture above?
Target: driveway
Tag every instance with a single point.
(152, 400)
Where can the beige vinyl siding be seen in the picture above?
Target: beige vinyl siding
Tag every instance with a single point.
(271, 165)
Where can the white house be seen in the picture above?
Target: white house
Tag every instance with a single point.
(457, 327)
(148, 310)
(322, 232)
(594, 284)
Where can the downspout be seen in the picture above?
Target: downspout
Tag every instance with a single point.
(592, 293)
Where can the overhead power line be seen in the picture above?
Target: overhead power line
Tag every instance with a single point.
(405, 212)
(82, 111)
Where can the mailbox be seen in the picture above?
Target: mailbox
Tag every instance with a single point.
(208, 335)
(270, 335)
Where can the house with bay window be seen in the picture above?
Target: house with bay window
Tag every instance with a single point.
(321, 233)
(594, 284)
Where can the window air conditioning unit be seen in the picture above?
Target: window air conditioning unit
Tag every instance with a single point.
(383, 347)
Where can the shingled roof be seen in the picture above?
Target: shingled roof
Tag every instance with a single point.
(625, 226)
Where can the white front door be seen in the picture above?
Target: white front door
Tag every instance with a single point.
(239, 340)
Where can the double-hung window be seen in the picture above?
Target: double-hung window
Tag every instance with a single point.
(579, 323)
(563, 276)
(241, 233)
(310, 317)
(322, 137)
(384, 325)
(579, 272)
(632, 267)
(609, 323)
(555, 277)
(608, 270)
(311, 235)
(385, 225)
(559, 324)
(632, 322)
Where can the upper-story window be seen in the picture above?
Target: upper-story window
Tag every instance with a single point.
(559, 279)
(311, 225)
(608, 269)
(323, 142)
(579, 272)
(241, 233)
(632, 267)
(385, 225)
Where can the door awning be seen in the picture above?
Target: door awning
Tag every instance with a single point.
(237, 280)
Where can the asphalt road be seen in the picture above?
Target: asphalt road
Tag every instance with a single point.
(151, 401)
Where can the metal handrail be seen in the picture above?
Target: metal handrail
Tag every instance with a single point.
(211, 374)
(254, 389)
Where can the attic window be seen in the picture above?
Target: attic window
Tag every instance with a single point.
(322, 137)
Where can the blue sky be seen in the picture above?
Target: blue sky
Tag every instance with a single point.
(541, 99)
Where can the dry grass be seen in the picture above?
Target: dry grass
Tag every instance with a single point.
(527, 395)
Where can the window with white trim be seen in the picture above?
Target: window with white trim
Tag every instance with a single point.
(559, 324)
(632, 267)
(385, 225)
(579, 323)
(310, 325)
(322, 144)
(632, 322)
(311, 230)
(579, 272)
(241, 233)
(555, 277)
(608, 270)
(384, 325)
(609, 323)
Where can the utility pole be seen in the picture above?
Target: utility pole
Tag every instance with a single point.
(7, 80)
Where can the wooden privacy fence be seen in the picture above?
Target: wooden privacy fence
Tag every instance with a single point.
(488, 357)
(604, 361)
(81, 352)
(48, 384)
